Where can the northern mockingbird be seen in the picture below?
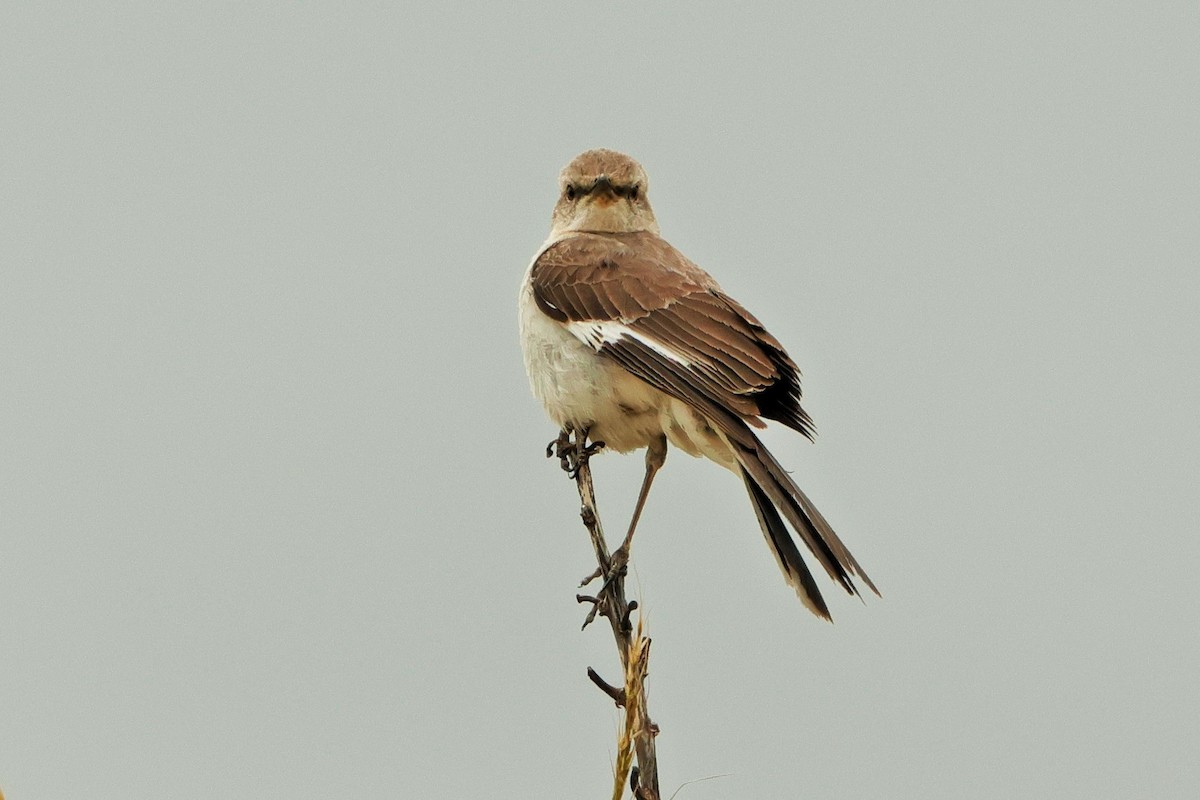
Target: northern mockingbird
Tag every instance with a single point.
(625, 337)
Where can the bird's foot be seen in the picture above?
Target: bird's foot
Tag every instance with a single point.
(596, 573)
(559, 444)
(618, 563)
(618, 566)
(602, 601)
(574, 453)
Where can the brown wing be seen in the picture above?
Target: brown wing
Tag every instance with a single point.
(667, 321)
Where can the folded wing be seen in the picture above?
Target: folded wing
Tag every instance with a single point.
(634, 291)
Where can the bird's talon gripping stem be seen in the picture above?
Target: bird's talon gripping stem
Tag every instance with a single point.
(572, 453)
(562, 447)
(619, 560)
(590, 577)
(591, 617)
(618, 568)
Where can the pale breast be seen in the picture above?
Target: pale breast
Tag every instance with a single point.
(577, 386)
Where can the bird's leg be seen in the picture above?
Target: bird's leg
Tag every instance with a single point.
(656, 456)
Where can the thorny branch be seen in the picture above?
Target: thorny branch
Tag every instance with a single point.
(574, 453)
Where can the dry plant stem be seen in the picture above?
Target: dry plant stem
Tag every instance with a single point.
(612, 604)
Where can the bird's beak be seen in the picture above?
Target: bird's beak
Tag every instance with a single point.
(603, 193)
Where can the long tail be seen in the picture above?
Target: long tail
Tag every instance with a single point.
(795, 571)
(771, 488)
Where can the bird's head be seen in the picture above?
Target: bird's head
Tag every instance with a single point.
(603, 191)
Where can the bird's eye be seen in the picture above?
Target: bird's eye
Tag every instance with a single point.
(570, 193)
(634, 191)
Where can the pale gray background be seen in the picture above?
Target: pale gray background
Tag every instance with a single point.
(275, 519)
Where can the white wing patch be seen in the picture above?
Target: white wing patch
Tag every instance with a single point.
(597, 334)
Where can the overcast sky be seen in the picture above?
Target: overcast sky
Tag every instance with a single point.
(274, 515)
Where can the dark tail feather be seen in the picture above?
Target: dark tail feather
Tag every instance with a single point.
(795, 571)
(777, 486)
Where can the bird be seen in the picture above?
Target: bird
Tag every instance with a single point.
(625, 338)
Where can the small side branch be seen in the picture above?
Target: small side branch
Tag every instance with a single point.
(637, 736)
(617, 695)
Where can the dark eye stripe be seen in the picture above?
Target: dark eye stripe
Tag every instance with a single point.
(633, 192)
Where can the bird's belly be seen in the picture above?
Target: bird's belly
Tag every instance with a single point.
(580, 387)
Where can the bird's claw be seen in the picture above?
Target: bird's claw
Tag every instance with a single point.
(562, 448)
(570, 456)
(619, 560)
(618, 568)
